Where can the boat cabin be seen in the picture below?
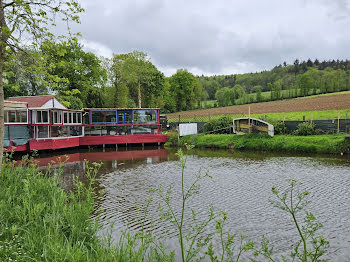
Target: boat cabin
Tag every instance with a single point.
(252, 125)
(42, 122)
(121, 121)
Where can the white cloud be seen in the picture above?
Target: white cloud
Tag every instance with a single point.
(96, 48)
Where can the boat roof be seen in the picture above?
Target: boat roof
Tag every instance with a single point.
(251, 118)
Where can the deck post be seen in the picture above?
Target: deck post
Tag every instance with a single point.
(158, 145)
(104, 147)
(143, 146)
(116, 147)
(126, 146)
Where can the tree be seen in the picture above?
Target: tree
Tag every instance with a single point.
(81, 70)
(144, 81)
(30, 19)
(183, 88)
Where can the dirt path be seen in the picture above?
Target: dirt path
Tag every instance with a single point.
(332, 102)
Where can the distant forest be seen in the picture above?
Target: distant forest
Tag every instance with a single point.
(283, 81)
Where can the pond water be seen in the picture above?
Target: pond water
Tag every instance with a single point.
(240, 185)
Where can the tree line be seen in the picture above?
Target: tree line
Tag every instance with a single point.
(283, 81)
(81, 79)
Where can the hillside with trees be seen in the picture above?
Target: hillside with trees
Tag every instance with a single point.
(283, 81)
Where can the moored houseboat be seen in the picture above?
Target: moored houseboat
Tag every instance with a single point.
(42, 122)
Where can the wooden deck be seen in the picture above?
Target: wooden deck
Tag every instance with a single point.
(69, 142)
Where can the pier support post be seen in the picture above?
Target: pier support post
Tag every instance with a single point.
(158, 145)
(116, 147)
(104, 147)
(126, 146)
(143, 146)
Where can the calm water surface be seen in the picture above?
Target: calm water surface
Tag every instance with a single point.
(241, 186)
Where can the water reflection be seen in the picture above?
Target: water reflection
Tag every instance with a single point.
(241, 186)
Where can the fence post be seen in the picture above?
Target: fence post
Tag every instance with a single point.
(303, 118)
(311, 118)
(179, 118)
(338, 122)
(249, 130)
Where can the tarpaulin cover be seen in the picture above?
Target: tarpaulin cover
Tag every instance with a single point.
(19, 134)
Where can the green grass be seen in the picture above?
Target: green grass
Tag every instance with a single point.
(278, 143)
(39, 221)
(316, 115)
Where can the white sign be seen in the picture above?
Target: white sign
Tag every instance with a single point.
(187, 129)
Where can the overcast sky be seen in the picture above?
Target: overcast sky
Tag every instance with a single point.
(218, 37)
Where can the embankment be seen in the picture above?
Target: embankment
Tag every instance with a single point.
(328, 144)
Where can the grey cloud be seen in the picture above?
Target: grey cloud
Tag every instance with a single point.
(220, 37)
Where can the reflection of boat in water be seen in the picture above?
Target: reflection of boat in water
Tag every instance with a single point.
(102, 156)
(252, 125)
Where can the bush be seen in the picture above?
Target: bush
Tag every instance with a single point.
(279, 127)
(221, 125)
(306, 129)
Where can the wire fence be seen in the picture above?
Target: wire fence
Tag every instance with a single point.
(190, 117)
(335, 125)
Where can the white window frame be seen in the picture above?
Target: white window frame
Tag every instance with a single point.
(37, 132)
(41, 112)
(68, 117)
(60, 117)
(14, 123)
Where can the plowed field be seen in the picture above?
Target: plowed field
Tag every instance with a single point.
(331, 102)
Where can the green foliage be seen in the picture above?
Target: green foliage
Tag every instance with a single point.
(286, 81)
(306, 129)
(292, 201)
(221, 125)
(279, 127)
(134, 77)
(225, 96)
(279, 143)
(185, 90)
(81, 70)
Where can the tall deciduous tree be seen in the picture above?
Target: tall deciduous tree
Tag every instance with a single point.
(185, 90)
(30, 20)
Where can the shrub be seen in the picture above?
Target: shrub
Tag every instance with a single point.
(279, 127)
(221, 125)
(306, 129)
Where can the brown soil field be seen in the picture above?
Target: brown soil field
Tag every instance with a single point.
(331, 102)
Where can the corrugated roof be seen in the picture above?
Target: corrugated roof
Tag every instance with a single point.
(33, 101)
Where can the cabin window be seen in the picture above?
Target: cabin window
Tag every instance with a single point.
(97, 116)
(145, 116)
(15, 116)
(57, 117)
(42, 117)
(86, 119)
(103, 116)
(59, 131)
(65, 117)
(124, 117)
(43, 131)
(75, 131)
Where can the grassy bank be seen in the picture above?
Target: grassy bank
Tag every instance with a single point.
(39, 221)
(278, 143)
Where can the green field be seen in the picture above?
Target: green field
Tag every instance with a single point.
(315, 115)
(298, 116)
